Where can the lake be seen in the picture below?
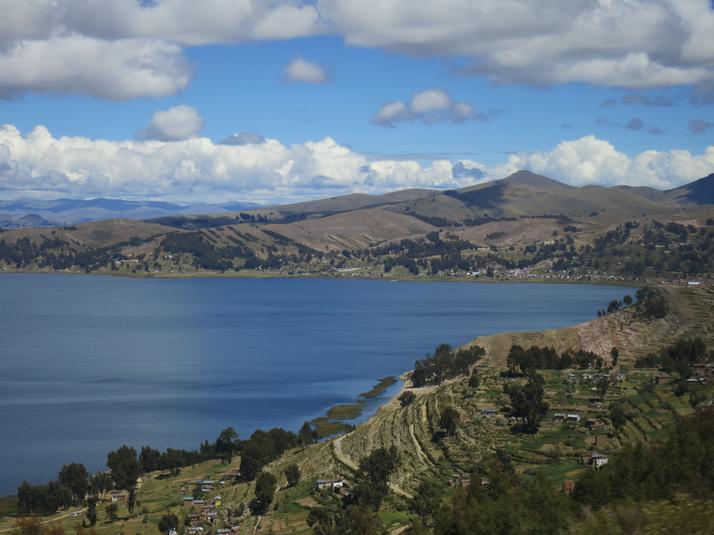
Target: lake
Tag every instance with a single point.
(88, 363)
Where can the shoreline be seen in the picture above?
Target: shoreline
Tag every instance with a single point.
(631, 283)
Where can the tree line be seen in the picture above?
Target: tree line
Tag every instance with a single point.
(445, 363)
(526, 361)
(75, 485)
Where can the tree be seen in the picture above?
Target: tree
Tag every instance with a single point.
(149, 459)
(100, 482)
(615, 356)
(75, 477)
(617, 415)
(407, 398)
(92, 510)
(449, 420)
(427, 500)
(264, 491)
(125, 470)
(111, 510)
(307, 434)
(42, 499)
(601, 387)
(292, 473)
(527, 401)
(227, 444)
(373, 476)
(168, 522)
(124, 467)
(627, 300)
(474, 380)
(353, 520)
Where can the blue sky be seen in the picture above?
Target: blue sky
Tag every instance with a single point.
(239, 83)
(242, 88)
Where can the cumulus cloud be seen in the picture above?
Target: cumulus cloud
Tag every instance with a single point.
(625, 43)
(697, 126)
(430, 106)
(301, 70)
(590, 160)
(120, 69)
(124, 49)
(197, 169)
(175, 124)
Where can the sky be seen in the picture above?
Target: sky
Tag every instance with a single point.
(281, 100)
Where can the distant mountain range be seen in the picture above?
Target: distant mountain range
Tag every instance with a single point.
(522, 220)
(58, 212)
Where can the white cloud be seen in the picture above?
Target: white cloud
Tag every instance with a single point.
(430, 106)
(628, 43)
(121, 49)
(175, 124)
(590, 160)
(430, 100)
(123, 69)
(391, 112)
(197, 169)
(301, 70)
(107, 47)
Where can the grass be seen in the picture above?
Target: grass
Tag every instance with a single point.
(8, 506)
(348, 411)
(336, 418)
(379, 388)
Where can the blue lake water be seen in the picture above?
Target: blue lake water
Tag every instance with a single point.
(89, 363)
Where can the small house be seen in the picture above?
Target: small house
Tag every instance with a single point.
(594, 459)
(117, 495)
(332, 484)
(573, 418)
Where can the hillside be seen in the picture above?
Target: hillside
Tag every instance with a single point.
(698, 192)
(525, 226)
(526, 194)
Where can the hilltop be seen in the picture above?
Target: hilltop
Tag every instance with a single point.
(523, 226)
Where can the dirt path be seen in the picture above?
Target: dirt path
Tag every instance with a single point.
(49, 520)
(417, 447)
(342, 457)
(257, 525)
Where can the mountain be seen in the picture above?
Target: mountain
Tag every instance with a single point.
(8, 221)
(698, 192)
(522, 222)
(72, 211)
(526, 194)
